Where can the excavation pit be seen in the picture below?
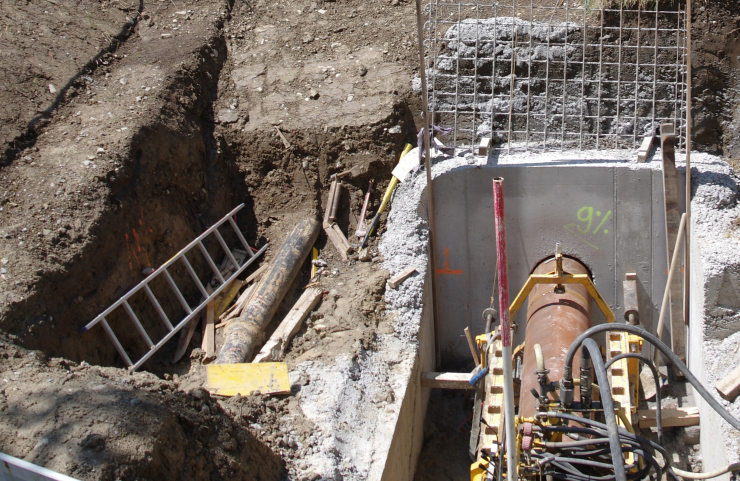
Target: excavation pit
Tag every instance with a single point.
(232, 116)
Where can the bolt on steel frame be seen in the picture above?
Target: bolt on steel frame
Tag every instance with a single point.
(585, 76)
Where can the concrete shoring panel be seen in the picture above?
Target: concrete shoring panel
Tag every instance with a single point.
(606, 216)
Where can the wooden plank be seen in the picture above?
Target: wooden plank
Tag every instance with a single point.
(342, 238)
(256, 275)
(239, 306)
(278, 342)
(644, 151)
(670, 418)
(396, 280)
(485, 144)
(187, 335)
(329, 203)
(471, 345)
(209, 336)
(282, 137)
(245, 378)
(223, 300)
(335, 239)
(673, 220)
(446, 380)
(729, 386)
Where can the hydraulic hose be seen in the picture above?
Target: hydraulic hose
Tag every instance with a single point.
(656, 378)
(711, 474)
(568, 368)
(608, 403)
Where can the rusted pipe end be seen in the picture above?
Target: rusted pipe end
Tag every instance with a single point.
(554, 320)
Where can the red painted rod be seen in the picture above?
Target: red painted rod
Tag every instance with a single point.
(503, 277)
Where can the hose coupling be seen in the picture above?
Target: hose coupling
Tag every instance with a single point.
(566, 392)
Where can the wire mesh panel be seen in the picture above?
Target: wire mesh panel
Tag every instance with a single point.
(555, 76)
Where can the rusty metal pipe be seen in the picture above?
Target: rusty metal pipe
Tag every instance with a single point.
(554, 321)
(244, 336)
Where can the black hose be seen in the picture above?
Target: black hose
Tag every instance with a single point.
(608, 403)
(599, 429)
(677, 363)
(656, 377)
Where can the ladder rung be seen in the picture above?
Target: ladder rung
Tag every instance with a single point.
(211, 263)
(241, 237)
(113, 338)
(138, 325)
(161, 313)
(226, 249)
(173, 259)
(182, 300)
(194, 276)
(190, 316)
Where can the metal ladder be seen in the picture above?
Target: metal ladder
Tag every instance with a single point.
(191, 312)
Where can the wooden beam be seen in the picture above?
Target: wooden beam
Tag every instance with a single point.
(278, 342)
(446, 380)
(396, 280)
(729, 386)
(256, 275)
(485, 144)
(209, 336)
(187, 334)
(644, 151)
(670, 418)
(337, 238)
(673, 220)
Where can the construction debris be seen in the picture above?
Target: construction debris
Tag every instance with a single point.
(187, 334)
(402, 170)
(209, 332)
(333, 232)
(361, 229)
(729, 386)
(446, 380)
(485, 144)
(282, 137)
(246, 333)
(670, 418)
(396, 280)
(644, 151)
(247, 378)
(275, 347)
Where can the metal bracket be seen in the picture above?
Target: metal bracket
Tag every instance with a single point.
(559, 279)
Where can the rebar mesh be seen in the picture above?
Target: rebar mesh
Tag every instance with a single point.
(584, 77)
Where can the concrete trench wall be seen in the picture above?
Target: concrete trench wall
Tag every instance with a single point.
(408, 436)
(636, 200)
(608, 214)
(714, 327)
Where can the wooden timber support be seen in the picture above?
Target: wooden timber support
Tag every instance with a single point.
(673, 218)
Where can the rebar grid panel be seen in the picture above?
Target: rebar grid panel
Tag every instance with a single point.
(583, 77)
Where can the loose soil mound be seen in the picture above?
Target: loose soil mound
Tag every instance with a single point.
(104, 423)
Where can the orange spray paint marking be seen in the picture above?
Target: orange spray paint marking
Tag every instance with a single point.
(446, 269)
(136, 236)
(128, 251)
(138, 246)
(132, 250)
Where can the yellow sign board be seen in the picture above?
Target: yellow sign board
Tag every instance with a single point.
(245, 378)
